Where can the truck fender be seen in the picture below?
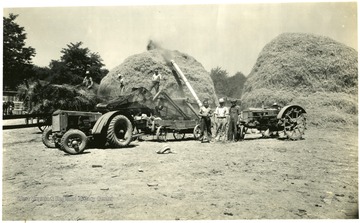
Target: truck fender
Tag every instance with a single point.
(103, 121)
(286, 108)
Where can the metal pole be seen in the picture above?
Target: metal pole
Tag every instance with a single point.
(187, 83)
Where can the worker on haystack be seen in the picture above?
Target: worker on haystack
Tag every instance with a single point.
(88, 82)
(221, 119)
(122, 85)
(276, 106)
(233, 120)
(155, 81)
(205, 122)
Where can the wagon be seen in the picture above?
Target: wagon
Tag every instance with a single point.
(176, 116)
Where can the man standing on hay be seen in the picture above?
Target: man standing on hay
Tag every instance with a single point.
(122, 85)
(155, 81)
(88, 82)
(205, 122)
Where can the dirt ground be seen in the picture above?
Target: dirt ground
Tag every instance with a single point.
(314, 178)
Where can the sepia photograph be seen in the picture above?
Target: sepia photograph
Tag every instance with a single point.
(161, 110)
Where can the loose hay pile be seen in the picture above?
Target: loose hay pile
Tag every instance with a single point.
(47, 98)
(135, 70)
(313, 71)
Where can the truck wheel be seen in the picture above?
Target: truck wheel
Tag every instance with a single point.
(73, 141)
(197, 132)
(119, 131)
(47, 138)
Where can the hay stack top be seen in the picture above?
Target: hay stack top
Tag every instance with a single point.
(305, 63)
(136, 71)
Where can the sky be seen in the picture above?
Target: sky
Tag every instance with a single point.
(229, 35)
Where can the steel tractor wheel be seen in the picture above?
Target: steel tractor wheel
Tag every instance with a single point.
(73, 141)
(294, 123)
(47, 138)
(197, 132)
(161, 134)
(119, 132)
(178, 136)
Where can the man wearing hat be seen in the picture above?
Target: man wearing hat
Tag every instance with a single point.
(234, 117)
(221, 116)
(205, 122)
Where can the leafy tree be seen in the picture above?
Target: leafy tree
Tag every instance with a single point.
(17, 66)
(42, 73)
(219, 77)
(226, 86)
(235, 85)
(73, 64)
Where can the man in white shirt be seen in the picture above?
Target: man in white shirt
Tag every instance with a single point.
(221, 119)
(88, 82)
(156, 81)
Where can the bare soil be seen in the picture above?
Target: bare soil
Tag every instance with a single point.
(314, 178)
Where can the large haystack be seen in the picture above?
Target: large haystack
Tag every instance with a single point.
(136, 68)
(314, 71)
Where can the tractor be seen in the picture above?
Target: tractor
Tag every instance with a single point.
(290, 120)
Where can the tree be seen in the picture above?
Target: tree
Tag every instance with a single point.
(235, 85)
(74, 63)
(219, 78)
(17, 58)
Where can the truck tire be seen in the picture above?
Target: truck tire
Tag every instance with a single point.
(119, 132)
(47, 138)
(73, 141)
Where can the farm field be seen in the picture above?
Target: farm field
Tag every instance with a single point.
(314, 178)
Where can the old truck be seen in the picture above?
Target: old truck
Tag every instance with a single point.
(289, 120)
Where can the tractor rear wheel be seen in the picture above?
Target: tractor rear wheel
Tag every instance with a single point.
(294, 123)
(74, 141)
(119, 132)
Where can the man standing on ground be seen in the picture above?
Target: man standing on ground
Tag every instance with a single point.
(221, 115)
(234, 117)
(205, 122)
(155, 81)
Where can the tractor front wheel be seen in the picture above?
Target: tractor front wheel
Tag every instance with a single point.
(47, 138)
(73, 141)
